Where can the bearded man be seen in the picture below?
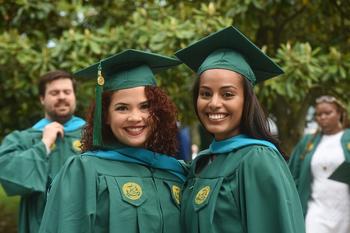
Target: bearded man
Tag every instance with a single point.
(29, 159)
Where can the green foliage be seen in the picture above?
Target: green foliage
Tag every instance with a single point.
(309, 72)
(8, 213)
(309, 39)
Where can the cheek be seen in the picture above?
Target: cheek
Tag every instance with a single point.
(200, 105)
(115, 120)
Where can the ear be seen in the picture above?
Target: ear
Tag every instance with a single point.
(42, 98)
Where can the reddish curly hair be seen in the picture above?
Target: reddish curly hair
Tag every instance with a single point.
(163, 114)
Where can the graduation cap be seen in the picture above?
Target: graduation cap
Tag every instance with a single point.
(229, 49)
(128, 69)
(342, 173)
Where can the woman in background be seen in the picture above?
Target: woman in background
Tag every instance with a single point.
(325, 202)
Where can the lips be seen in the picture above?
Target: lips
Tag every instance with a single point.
(134, 130)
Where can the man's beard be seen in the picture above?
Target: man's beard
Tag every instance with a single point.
(61, 118)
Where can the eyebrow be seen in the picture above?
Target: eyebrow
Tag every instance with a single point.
(223, 87)
(144, 102)
(121, 103)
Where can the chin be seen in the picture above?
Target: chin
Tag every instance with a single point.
(136, 144)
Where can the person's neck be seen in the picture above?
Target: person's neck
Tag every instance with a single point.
(332, 132)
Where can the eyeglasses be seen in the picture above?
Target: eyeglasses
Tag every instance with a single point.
(327, 99)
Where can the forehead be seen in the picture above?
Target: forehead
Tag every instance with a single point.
(130, 95)
(325, 106)
(221, 77)
(59, 84)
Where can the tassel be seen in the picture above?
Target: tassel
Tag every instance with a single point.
(97, 134)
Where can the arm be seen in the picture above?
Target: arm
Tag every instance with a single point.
(71, 203)
(268, 197)
(23, 163)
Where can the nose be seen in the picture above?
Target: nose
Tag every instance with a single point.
(61, 95)
(322, 116)
(135, 116)
(214, 102)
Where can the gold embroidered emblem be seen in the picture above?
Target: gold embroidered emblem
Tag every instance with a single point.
(176, 193)
(202, 195)
(310, 146)
(77, 145)
(53, 146)
(348, 146)
(132, 191)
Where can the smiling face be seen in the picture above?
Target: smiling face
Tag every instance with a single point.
(220, 102)
(59, 100)
(328, 117)
(128, 116)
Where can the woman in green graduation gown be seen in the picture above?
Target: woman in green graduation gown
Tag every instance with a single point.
(241, 183)
(127, 180)
(325, 202)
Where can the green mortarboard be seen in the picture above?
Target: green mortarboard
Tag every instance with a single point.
(229, 49)
(128, 69)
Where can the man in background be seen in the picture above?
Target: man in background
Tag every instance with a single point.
(30, 159)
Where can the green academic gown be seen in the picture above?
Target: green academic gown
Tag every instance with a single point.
(27, 170)
(98, 195)
(249, 190)
(300, 163)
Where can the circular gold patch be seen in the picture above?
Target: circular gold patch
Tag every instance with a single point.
(132, 190)
(176, 192)
(100, 80)
(310, 146)
(53, 146)
(77, 145)
(202, 195)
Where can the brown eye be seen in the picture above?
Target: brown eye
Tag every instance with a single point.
(204, 93)
(121, 108)
(228, 94)
(145, 106)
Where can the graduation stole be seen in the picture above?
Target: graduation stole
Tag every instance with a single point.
(234, 143)
(143, 157)
(73, 124)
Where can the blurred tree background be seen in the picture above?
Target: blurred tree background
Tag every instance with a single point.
(310, 39)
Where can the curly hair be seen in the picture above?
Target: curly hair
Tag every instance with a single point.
(163, 114)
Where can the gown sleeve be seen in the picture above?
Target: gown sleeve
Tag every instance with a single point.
(23, 164)
(71, 203)
(268, 197)
(294, 160)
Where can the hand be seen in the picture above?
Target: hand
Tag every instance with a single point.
(51, 132)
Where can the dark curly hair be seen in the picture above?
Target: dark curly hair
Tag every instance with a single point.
(162, 112)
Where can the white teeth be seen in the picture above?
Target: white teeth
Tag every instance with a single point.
(135, 129)
(217, 116)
